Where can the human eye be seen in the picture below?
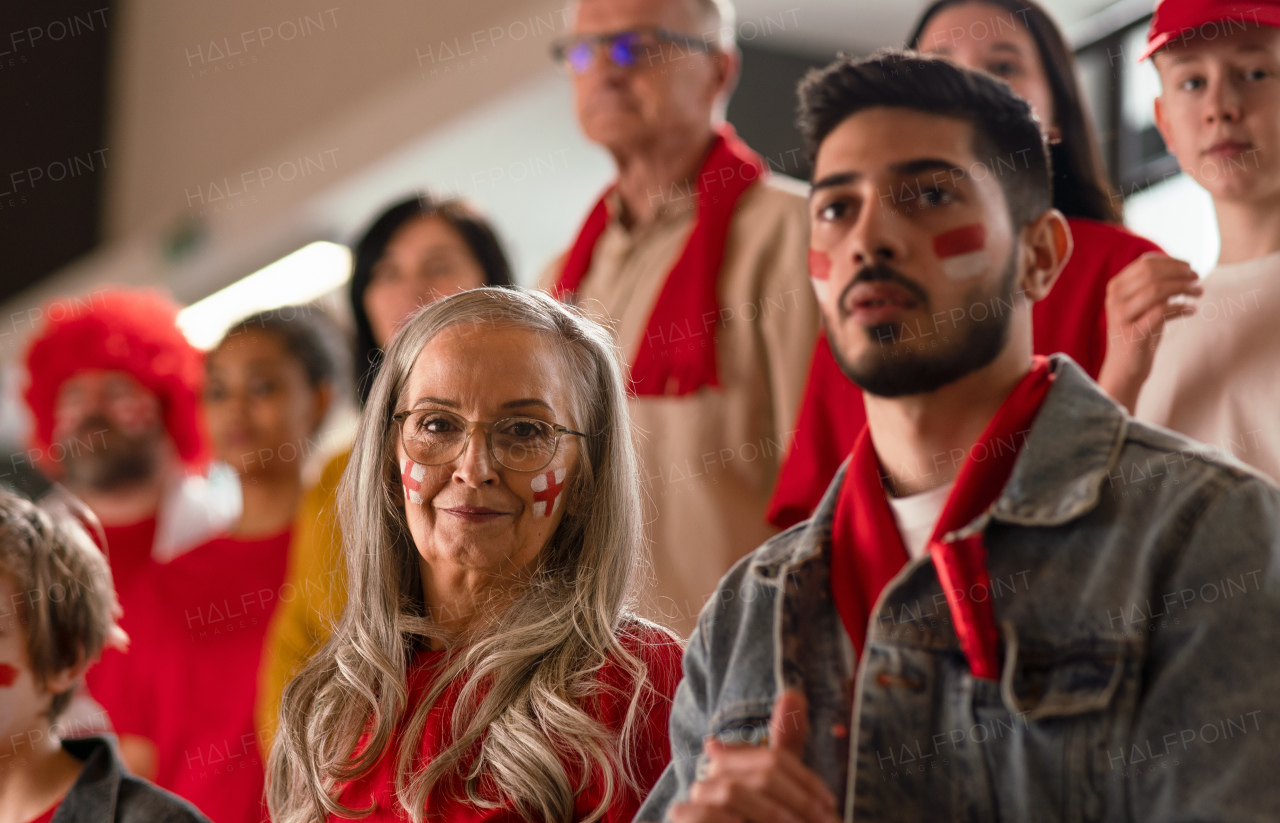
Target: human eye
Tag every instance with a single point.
(832, 209)
(262, 388)
(1192, 82)
(934, 196)
(214, 392)
(430, 423)
(1004, 69)
(1257, 74)
(525, 428)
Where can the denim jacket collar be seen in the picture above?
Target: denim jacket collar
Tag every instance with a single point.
(1058, 476)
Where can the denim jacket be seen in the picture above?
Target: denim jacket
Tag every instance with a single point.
(1135, 578)
(106, 793)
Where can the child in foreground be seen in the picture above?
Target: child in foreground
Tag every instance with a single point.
(56, 615)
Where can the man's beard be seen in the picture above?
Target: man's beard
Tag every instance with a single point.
(100, 457)
(889, 371)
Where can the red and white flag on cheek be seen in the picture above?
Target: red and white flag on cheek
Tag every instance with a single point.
(411, 475)
(820, 273)
(547, 488)
(962, 251)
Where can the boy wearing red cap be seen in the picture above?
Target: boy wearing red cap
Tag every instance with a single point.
(1214, 373)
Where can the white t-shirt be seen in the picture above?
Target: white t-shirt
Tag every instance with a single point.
(917, 515)
(1216, 375)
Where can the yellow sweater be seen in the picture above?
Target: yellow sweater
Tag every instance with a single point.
(311, 600)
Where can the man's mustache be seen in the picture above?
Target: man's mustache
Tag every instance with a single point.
(881, 273)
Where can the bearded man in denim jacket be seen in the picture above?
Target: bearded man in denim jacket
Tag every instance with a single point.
(1014, 602)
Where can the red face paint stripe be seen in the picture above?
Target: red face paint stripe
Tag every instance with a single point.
(8, 675)
(960, 241)
(819, 265)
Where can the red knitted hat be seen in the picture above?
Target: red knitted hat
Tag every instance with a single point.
(119, 330)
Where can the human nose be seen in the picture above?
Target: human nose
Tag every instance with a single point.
(476, 466)
(874, 237)
(1223, 101)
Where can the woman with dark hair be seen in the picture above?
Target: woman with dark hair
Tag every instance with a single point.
(415, 252)
(182, 698)
(1094, 313)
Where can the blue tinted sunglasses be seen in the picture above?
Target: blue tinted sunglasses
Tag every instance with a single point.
(624, 48)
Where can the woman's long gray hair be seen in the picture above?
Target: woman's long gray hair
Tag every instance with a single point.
(531, 669)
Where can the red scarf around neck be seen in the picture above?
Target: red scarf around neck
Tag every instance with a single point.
(668, 361)
(867, 549)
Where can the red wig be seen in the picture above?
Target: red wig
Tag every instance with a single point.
(119, 330)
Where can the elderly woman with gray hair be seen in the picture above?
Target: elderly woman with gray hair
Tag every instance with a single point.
(486, 666)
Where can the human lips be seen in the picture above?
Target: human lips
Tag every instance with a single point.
(875, 303)
(1228, 148)
(474, 514)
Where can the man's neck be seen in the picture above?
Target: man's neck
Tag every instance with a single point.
(658, 172)
(922, 440)
(1248, 229)
(124, 505)
(269, 501)
(33, 780)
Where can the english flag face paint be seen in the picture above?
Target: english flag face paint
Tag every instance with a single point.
(411, 475)
(547, 488)
(962, 251)
(820, 273)
(8, 675)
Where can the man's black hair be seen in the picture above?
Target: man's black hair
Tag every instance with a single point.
(1007, 138)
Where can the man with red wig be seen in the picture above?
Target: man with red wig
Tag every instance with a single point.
(114, 392)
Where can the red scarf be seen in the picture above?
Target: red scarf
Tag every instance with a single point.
(666, 363)
(867, 549)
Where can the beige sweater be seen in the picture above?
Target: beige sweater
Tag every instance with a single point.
(1216, 375)
(709, 460)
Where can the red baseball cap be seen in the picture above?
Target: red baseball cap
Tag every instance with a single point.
(1185, 19)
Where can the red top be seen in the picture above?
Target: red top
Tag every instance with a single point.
(47, 817)
(656, 649)
(190, 678)
(128, 550)
(1071, 319)
(128, 553)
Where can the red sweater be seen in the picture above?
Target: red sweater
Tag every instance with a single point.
(190, 678)
(1072, 319)
(657, 650)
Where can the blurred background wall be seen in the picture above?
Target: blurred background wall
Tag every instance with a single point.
(186, 146)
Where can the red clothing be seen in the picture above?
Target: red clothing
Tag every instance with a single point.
(688, 298)
(867, 551)
(47, 817)
(128, 550)
(189, 680)
(128, 553)
(1072, 319)
(658, 651)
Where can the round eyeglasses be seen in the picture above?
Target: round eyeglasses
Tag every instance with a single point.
(624, 48)
(523, 444)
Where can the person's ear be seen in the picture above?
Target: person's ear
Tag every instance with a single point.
(65, 680)
(1162, 119)
(728, 69)
(1049, 241)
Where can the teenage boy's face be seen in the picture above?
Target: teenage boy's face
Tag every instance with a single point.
(918, 267)
(1219, 111)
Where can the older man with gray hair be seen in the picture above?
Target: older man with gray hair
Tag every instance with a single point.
(696, 257)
